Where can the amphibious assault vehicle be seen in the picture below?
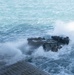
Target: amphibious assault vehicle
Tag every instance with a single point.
(54, 43)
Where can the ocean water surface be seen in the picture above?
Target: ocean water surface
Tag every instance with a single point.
(22, 19)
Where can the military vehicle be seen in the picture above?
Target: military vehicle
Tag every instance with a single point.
(54, 43)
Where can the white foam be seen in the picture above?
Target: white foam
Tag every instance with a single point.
(41, 53)
(10, 52)
(63, 28)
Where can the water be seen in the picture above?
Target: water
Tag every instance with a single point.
(21, 19)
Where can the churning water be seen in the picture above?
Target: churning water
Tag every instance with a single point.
(21, 19)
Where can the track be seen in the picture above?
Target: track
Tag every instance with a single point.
(22, 68)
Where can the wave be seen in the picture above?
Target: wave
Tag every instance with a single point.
(10, 52)
(16, 50)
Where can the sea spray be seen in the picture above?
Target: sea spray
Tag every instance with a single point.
(10, 52)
